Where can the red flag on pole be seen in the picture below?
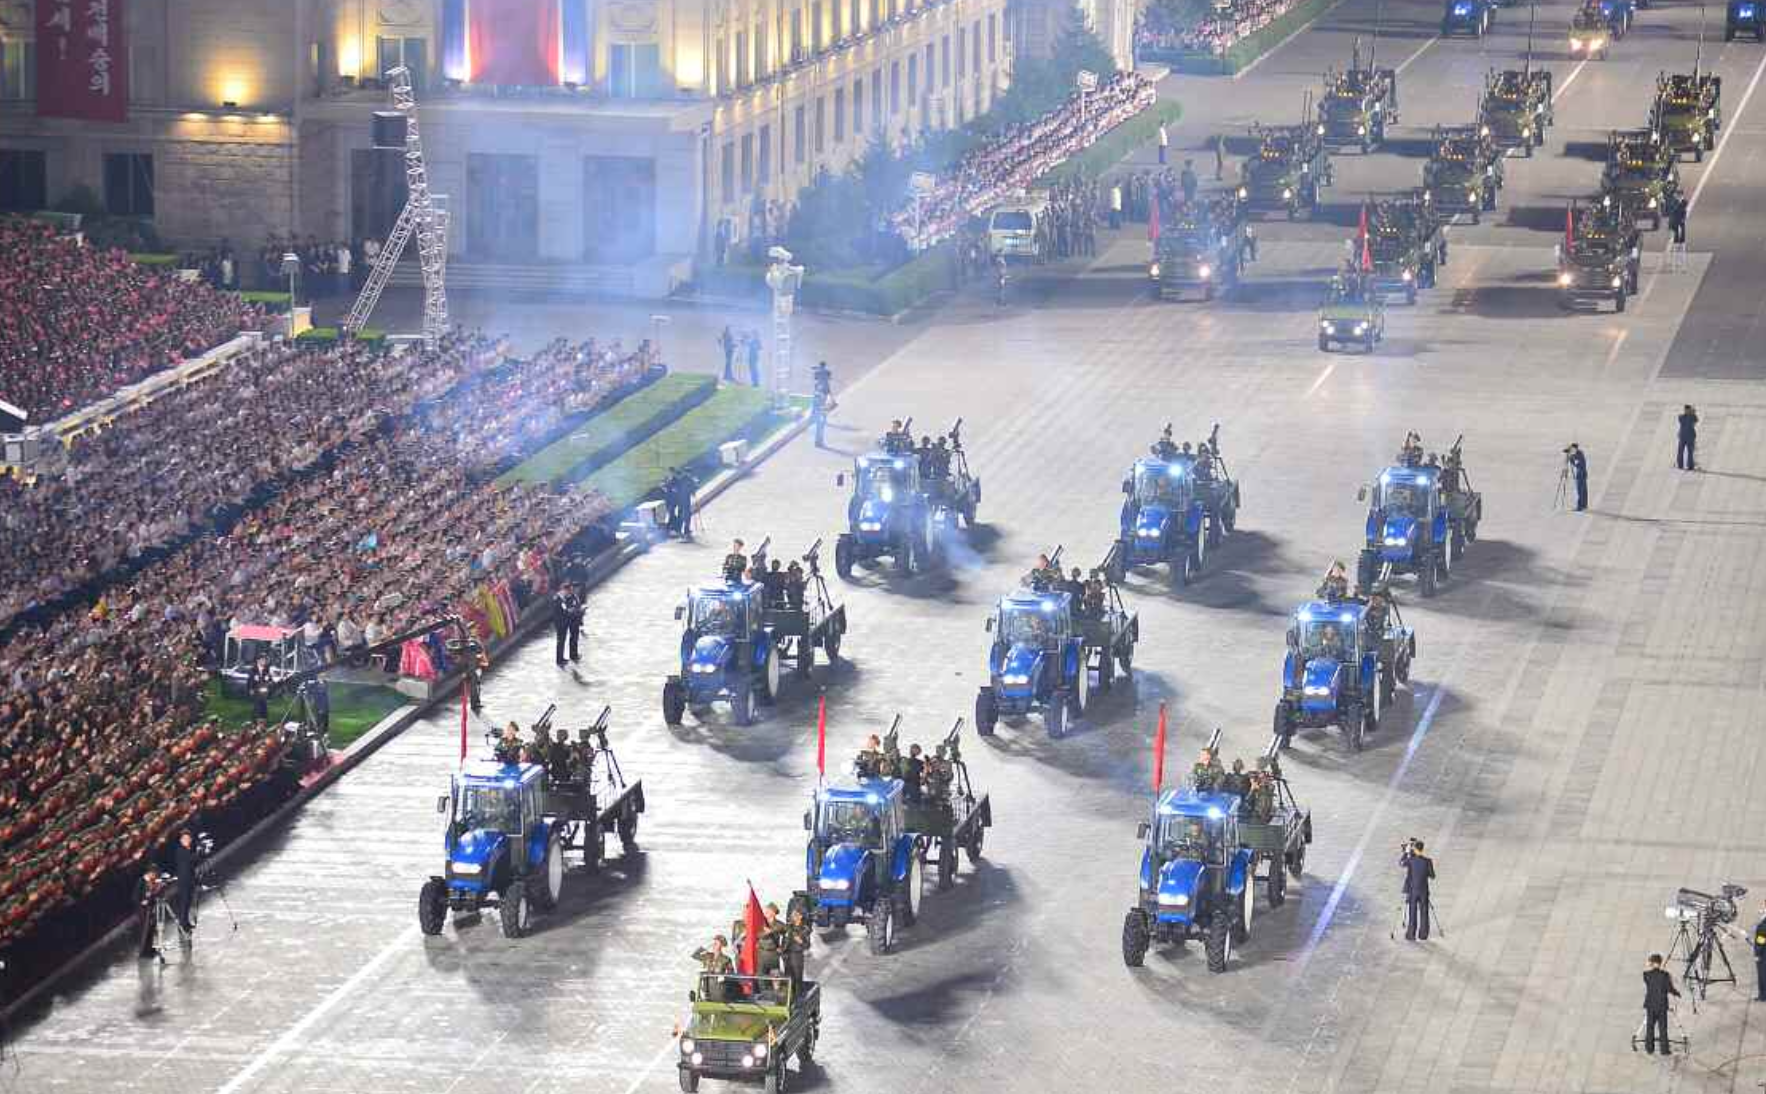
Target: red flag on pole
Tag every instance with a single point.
(1367, 255)
(465, 695)
(1153, 221)
(753, 922)
(822, 736)
(1569, 225)
(1159, 753)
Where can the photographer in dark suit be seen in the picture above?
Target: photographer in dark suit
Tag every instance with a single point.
(184, 861)
(1657, 987)
(147, 894)
(258, 684)
(1419, 870)
(1578, 471)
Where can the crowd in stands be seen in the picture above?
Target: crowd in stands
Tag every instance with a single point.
(339, 491)
(1011, 160)
(1160, 33)
(77, 323)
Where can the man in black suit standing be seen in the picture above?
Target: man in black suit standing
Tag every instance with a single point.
(567, 622)
(1657, 987)
(1419, 870)
(184, 866)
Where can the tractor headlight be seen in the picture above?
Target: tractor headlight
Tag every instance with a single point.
(1361, 130)
(1315, 690)
(1204, 271)
(760, 1051)
(1483, 131)
(1245, 191)
(837, 884)
(1652, 203)
(1575, 44)
(1597, 43)
(1566, 279)
(1526, 131)
(1361, 328)
(1176, 900)
(1321, 130)
(1147, 533)
(1287, 193)
(704, 668)
(1396, 541)
(686, 1046)
(1616, 282)
(467, 868)
(1407, 275)
(1015, 678)
(1153, 270)
(870, 526)
(1327, 326)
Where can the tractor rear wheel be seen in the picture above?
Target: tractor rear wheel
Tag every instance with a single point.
(1229, 514)
(1219, 943)
(1135, 938)
(674, 702)
(515, 911)
(767, 687)
(1125, 662)
(1372, 709)
(947, 863)
(546, 886)
(907, 903)
(986, 712)
(1352, 723)
(843, 557)
(1082, 684)
(432, 906)
(880, 929)
(742, 705)
(1427, 577)
(831, 647)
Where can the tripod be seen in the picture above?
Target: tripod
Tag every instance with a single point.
(1698, 953)
(1563, 495)
(1438, 926)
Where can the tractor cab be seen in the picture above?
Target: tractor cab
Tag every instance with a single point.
(1032, 622)
(723, 613)
(492, 810)
(883, 486)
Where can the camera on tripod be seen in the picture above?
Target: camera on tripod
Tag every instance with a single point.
(1693, 906)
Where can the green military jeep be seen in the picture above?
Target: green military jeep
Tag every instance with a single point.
(747, 1029)
(1353, 313)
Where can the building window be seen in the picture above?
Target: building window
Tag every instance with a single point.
(18, 69)
(796, 35)
(815, 25)
(727, 173)
(858, 108)
(913, 79)
(410, 52)
(839, 114)
(762, 65)
(821, 124)
(977, 39)
(944, 58)
(128, 184)
(619, 209)
(741, 58)
(747, 163)
(635, 71)
(894, 88)
(798, 141)
(992, 31)
(24, 180)
(764, 174)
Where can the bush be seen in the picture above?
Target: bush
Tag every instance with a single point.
(275, 300)
(140, 258)
(331, 334)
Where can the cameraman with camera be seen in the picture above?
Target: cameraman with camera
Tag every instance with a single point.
(1419, 870)
(185, 857)
(1578, 464)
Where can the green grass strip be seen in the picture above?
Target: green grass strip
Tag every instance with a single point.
(734, 412)
(607, 435)
(355, 709)
(148, 258)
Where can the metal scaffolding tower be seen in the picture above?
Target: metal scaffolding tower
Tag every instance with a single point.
(425, 215)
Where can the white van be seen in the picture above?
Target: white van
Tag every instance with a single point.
(1011, 229)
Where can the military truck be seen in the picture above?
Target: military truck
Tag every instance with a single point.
(1289, 168)
(1516, 108)
(1590, 36)
(1745, 17)
(1406, 243)
(1197, 250)
(748, 1028)
(1353, 313)
(1346, 656)
(1688, 112)
(1473, 17)
(1598, 260)
(1358, 105)
(1463, 173)
(1641, 174)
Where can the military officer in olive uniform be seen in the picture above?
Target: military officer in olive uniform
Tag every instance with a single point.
(714, 962)
(870, 758)
(793, 948)
(735, 563)
(1207, 774)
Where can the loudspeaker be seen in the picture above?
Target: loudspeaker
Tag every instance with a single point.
(389, 129)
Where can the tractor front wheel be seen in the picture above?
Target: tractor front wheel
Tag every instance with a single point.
(880, 929)
(674, 702)
(432, 906)
(1352, 723)
(843, 558)
(1242, 921)
(1219, 942)
(515, 911)
(545, 887)
(1136, 939)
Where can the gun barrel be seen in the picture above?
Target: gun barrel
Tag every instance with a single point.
(894, 725)
(600, 725)
(956, 427)
(955, 730)
(908, 426)
(764, 544)
(1055, 556)
(545, 719)
(1214, 739)
(813, 548)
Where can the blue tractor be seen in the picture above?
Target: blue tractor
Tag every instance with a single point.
(1410, 528)
(863, 865)
(1346, 656)
(1196, 878)
(510, 825)
(1179, 506)
(904, 503)
(728, 653)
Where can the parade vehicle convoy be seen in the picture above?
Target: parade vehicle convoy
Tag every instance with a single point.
(1745, 17)
(1473, 17)
(1618, 14)
(1199, 250)
(1358, 105)
(1199, 867)
(749, 1028)
(510, 827)
(864, 862)
(1044, 656)
(1463, 173)
(1352, 313)
(1345, 657)
(1688, 112)
(899, 512)
(1599, 260)
(1516, 108)
(1641, 174)
(1289, 168)
(1178, 507)
(1590, 36)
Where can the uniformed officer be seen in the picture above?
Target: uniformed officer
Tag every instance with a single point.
(735, 563)
(769, 949)
(1335, 585)
(714, 965)
(258, 684)
(1074, 586)
(558, 757)
(1164, 448)
(1760, 958)
(1043, 576)
(869, 758)
(913, 774)
(508, 748)
(1235, 781)
(1207, 774)
(1262, 797)
(794, 939)
(938, 776)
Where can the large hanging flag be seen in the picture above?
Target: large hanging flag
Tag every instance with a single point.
(1159, 753)
(1367, 254)
(83, 60)
(822, 737)
(753, 923)
(513, 42)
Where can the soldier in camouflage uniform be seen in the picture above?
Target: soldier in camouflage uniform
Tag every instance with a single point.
(1207, 774)
(870, 758)
(938, 776)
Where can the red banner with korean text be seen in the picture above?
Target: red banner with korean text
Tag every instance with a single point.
(513, 42)
(82, 60)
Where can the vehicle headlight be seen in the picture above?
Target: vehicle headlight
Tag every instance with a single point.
(1407, 275)
(1147, 533)
(1484, 131)
(870, 526)
(760, 1051)
(704, 668)
(1245, 191)
(1176, 900)
(838, 885)
(1321, 130)
(1328, 326)
(748, 1060)
(1652, 203)
(1565, 279)
(1015, 678)
(1597, 43)
(1153, 270)
(1316, 690)
(687, 1046)
(1361, 130)
(1616, 282)
(1396, 541)
(1361, 328)
(697, 1058)
(1204, 271)
(1575, 44)
(467, 868)
(1526, 131)
(1287, 193)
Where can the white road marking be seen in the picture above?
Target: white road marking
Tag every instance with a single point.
(1322, 377)
(1613, 353)
(1558, 93)
(1420, 50)
(292, 1037)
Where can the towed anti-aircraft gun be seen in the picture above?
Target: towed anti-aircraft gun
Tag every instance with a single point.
(948, 816)
(799, 611)
(1641, 174)
(1516, 108)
